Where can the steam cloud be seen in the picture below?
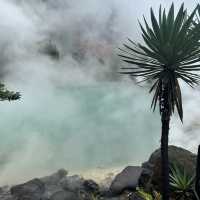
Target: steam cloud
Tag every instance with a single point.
(76, 111)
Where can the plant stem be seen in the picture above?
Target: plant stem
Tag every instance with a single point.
(165, 118)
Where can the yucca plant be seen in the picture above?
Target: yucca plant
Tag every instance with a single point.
(182, 184)
(171, 51)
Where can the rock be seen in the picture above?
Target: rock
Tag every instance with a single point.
(104, 185)
(152, 168)
(135, 197)
(5, 193)
(62, 173)
(64, 195)
(127, 195)
(51, 189)
(72, 183)
(145, 179)
(52, 182)
(108, 180)
(31, 190)
(55, 178)
(127, 179)
(91, 186)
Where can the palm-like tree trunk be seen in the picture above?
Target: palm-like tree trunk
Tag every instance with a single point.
(197, 183)
(165, 118)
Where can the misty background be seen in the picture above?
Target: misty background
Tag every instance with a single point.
(76, 111)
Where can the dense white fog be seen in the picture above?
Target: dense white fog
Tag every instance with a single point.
(76, 111)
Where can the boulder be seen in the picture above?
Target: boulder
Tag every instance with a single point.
(104, 185)
(135, 197)
(127, 179)
(5, 193)
(55, 178)
(126, 195)
(64, 195)
(91, 186)
(152, 168)
(72, 183)
(31, 190)
(52, 182)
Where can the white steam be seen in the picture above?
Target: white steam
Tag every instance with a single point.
(76, 112)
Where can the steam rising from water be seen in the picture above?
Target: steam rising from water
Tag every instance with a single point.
(76, 111)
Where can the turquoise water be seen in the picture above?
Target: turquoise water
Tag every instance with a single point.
(77, 128)
(83, 124)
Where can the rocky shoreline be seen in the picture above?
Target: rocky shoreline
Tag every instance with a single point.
(61, 186)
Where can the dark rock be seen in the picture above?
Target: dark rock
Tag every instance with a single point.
(135, 197)
(127, 179)
(62, 173)
(5, 193)
(127, 195)
(152, 172)
(64, 195)
(145, 179)
(91, 186)
(52, 182)
(55, 178)
(51, 189)
(72, 183)
(104, 185)
(107, 194)
(31, 190)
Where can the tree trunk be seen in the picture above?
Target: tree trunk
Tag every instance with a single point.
(165, 118)
(197, 182)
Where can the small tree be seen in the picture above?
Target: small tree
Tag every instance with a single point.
(171, 52)
(8, 95)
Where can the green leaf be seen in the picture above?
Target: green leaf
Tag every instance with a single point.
(155, 25)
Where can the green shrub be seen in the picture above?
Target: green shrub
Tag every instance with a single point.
(181, 183)
(148, 196)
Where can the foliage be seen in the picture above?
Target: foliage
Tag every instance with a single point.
(144, 194)
(157, 195)
(93, 197)
(181, 182)
(171, 50)
(148, 196)
(8, 95)
(88, 195)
